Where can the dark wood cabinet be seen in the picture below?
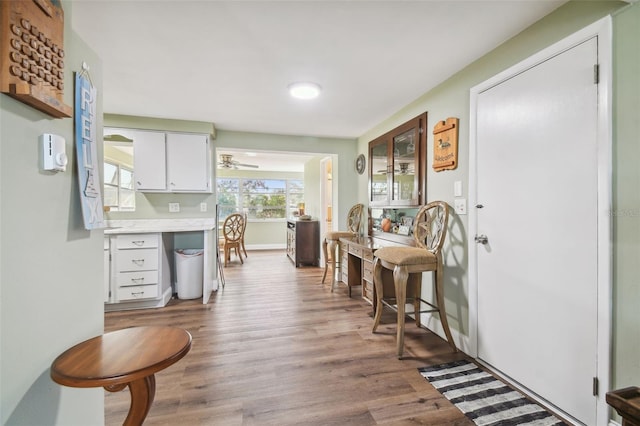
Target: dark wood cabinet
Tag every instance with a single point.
(397, 165)
(303, 242)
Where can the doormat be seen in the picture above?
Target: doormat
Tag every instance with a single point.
(484, 399)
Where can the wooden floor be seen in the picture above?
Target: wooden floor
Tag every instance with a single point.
(276, 347)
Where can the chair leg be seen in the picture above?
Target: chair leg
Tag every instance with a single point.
(416, 301)
(244, 249)
(440, 299)
(239, 254)
(400, 276)
(326, 259)
(332, 249)
(377, 283)
(226, 255)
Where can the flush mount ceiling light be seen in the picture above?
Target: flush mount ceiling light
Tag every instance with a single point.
(304, 90)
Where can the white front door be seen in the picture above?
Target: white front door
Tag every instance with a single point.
(537, 184)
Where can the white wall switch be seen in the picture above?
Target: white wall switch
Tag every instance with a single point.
(203, 207)
(460, 205)
(174, 207)
(457, 188)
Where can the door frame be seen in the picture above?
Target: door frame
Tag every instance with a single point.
(602, 29)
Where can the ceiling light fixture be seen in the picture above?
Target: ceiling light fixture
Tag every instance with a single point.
(304, 90)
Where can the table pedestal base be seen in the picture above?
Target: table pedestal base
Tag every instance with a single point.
(142, 393)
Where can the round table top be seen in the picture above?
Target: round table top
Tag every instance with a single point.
(120, 356)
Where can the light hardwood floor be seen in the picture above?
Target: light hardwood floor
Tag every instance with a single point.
(276, 347)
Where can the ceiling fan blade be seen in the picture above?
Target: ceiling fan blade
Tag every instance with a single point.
(253, 166)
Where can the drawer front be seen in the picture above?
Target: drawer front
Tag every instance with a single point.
(367, 255)
(357, 251)
(367, 271)
(133, 241)
(138, 292)
(124, 279)
(137, 260)
(367, 291)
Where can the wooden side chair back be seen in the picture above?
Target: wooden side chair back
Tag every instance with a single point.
(233, 230)
(408, 264)
(331, 241)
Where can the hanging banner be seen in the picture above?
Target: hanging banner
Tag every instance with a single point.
(86, 152)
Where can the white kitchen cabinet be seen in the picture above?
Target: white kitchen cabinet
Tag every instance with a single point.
(188, 163)
(136, 273)
(149, 161)
(139, 272)
(172, 162)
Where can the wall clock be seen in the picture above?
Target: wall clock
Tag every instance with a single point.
(360, 164)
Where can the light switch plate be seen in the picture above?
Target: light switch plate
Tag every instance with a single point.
(203, 207)
(174, 207)
(457, 188)
(460, 205)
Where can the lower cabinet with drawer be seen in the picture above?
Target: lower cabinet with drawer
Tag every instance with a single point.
(367, 275)
(139, 272)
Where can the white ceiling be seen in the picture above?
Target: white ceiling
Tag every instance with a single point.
(230, 62)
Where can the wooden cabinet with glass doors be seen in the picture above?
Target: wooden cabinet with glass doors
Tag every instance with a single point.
(397, 165)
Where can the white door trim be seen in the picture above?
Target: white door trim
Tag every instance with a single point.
(603, 30)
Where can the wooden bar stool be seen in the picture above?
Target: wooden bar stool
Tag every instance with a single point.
(332, 240)
(408, 264)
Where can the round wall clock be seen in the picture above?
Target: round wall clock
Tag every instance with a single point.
(360, 164)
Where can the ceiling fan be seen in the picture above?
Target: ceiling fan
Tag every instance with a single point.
(227, 162)
(403, 168)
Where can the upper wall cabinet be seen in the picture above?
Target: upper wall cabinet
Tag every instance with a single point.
(165, 162)
(188, 163)
(172, 162)
(397, 165)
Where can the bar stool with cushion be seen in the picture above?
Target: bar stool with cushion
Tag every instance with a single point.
(408, 264)
(332, 240)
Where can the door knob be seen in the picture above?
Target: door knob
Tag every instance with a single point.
(481, 239)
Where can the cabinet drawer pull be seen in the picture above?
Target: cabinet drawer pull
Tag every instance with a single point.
(139, 293)
(139, 243)
(138, 262)
(137, 280)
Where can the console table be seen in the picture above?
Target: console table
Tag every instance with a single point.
(303, 242)
(123, 358)
(357, 255)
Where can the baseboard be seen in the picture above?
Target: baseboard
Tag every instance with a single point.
(266, 247)
(140, 304)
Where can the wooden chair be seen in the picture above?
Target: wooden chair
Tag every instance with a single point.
(232, 230)
(332, 240)
(408, 264)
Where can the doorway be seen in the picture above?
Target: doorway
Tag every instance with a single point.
(539, 267)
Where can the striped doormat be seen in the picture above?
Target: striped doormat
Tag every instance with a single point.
(484, 399)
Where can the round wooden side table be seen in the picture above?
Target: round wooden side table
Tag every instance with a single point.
(124, 358)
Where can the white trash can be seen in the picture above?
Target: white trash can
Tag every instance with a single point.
(189, 264)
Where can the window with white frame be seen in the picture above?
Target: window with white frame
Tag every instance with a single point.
(261, 199)
(119, 194)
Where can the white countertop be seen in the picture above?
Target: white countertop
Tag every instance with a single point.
(159, 225)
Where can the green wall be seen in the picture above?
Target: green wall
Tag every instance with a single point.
(51, 282)
(626, 197)
(451, 99)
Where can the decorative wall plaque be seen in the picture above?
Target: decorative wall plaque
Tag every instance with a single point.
(32, 54)
(445, 145)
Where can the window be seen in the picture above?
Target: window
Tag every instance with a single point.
(119, 194)
(260, 198)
